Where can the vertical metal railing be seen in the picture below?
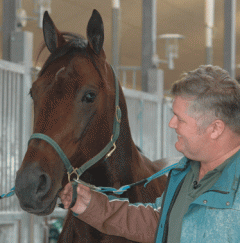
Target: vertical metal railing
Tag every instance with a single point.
(11, 81)
(123, 74)
(15, 130)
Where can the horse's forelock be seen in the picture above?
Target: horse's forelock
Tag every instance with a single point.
(75, 43)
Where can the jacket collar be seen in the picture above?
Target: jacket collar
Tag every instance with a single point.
(229, 179)
(181, 165)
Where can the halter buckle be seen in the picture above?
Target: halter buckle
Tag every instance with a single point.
(73, 172)
(118, 114)
(113, 149)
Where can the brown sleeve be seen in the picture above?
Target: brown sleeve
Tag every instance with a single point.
(121, 218)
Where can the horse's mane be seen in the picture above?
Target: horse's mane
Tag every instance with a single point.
(75, 43)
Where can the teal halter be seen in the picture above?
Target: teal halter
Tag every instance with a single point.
(105, 152)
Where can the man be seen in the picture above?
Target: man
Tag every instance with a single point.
(202, 200)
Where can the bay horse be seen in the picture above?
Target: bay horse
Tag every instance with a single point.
(74, 105)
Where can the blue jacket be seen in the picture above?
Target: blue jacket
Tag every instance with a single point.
(212, 217)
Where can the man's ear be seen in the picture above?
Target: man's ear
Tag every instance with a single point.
(217, 127)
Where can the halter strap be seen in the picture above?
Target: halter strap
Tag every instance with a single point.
(57, 148)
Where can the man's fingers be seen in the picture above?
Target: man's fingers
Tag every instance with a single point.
(83, 192)
(66, 190)
(66, 195)
(82, 189)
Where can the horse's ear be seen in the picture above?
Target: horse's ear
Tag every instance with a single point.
(95, 32)
(52, 36)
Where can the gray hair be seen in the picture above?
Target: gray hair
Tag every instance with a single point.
(213, 95)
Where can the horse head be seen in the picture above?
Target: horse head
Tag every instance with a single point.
(73, 97)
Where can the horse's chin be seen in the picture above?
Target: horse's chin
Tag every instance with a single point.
(43, 211)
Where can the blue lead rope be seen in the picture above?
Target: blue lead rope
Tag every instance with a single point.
(160, 173)
(9, 194)
(123, 189)
(119, 191)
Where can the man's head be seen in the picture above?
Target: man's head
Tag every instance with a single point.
(212, 95)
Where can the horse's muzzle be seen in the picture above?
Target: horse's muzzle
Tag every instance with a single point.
(32, 188)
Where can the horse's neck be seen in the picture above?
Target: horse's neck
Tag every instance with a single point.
(119, 166)
(117, 169)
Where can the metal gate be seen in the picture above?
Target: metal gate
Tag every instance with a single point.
(15, 129)
(149, 116)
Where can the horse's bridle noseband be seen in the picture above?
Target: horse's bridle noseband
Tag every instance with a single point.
(107, 151)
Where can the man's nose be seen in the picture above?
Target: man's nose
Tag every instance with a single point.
(173, 122)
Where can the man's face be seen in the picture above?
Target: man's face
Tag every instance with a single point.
(192, 141)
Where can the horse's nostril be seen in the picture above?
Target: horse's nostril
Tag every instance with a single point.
(43, 185)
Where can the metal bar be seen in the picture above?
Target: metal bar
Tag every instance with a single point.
(25, 131)
(209, 20)
(230, 36)
(9, 24)
(124, 78)
(140, 118)
(18, 135)
(8, 126)
(136, 94)
(13, 137)
(148, 39)
(13, 67)
(116, 20)
(1, 132)
(5, 145)
(134, 80)
(159, 122)
(133, 68)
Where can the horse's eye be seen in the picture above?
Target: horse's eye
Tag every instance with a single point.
(89, 97)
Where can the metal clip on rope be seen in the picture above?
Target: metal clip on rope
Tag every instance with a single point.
(71, 173)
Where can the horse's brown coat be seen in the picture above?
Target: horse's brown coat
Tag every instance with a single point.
(65, 110)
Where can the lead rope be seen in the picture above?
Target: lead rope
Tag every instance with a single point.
(123, 189)
(119, 191)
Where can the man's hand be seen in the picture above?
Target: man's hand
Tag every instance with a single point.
(83, 198)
